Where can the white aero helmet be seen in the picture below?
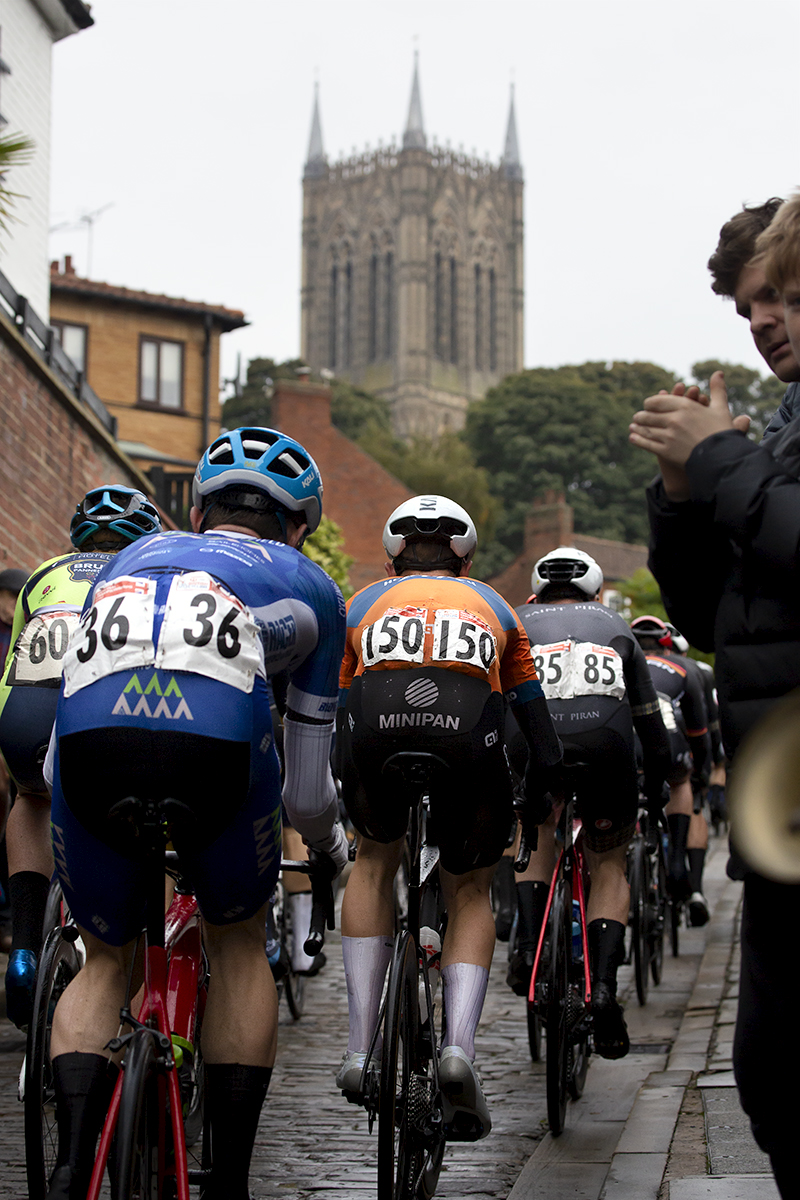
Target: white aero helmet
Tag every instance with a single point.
(568, 565)
(430, 516)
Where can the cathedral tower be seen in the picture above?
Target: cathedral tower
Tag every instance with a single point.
(412, 280)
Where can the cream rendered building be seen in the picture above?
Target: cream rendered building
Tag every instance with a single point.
(413, 272)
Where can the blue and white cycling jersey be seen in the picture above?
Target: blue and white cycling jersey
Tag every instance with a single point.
(223, 605)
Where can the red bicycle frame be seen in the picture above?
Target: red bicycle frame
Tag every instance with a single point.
(574, 848)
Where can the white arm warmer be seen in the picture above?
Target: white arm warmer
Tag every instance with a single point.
(309, 793)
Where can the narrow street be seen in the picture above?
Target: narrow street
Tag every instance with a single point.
(312, 1145)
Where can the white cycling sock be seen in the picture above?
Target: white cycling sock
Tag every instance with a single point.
(464, 987)
(365, 963)
(300, 911)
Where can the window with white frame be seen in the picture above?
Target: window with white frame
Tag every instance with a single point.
(73, 339)
(161, 373)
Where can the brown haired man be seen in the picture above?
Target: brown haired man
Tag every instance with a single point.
(725, 543)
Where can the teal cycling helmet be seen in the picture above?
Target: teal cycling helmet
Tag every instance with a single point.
(112, 507)
(262, 460)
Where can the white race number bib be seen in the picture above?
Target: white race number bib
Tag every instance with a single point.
(462, 637)
(667, 712)
(209, 631)
(116, 634)
(570, 669)
(399, 636)
(41, 648)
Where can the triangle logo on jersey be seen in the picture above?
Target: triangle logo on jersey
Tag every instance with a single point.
(122, 708)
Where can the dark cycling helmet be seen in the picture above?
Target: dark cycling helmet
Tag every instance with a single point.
(122, 509)
(652, 627)
(265, 461)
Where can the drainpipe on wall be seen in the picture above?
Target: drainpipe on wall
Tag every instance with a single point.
(207, 325)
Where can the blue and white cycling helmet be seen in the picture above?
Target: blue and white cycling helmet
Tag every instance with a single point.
(112, 507)
(265, 461)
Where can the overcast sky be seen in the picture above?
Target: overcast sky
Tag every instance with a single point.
(643, 126)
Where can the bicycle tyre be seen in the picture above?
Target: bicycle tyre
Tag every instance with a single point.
(675, 911)
(658, 885)
(141, 1125)
(578, 1067)
(557, 1008)
(640, 925)
(534, 1033)
(58, 966)
(408, 1169)
(294, 984)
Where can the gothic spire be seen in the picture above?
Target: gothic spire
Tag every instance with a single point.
(316, 162)
(414, 136)
(511, 161)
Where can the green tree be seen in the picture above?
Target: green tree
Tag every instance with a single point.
(748, 392)
(644, 599)
(253, 404)
(566, 428)
(325, 547)
(358, 414)
(15, 151)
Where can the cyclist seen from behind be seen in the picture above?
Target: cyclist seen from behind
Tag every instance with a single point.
(599, 692)
(48, 610)
(680, 686)
(165, 696)
(430, 657)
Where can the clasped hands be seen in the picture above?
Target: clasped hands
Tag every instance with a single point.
(673, 423)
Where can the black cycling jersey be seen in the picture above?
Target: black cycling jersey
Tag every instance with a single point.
(672, 677)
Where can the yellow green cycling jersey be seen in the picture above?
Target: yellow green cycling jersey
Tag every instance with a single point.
(48, 609)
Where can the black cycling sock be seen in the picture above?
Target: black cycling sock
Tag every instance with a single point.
(27, 892)
(697, 860)
(234, 1098)
(679, 831)
(606, 950)
(83, 1086)
(531, 903)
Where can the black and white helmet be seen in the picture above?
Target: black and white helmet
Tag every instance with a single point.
(434, 517)
(568, 565)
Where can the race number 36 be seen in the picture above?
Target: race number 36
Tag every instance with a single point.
(209, 631)
(116, 634)
(462, 637)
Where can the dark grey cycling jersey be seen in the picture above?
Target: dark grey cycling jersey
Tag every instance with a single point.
(599, 682)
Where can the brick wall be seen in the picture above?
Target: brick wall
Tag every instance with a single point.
(359, 494)
(52, 451)
(112, 369)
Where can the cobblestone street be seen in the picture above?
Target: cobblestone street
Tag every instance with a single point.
(312, 1145)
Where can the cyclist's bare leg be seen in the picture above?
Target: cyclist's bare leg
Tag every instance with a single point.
(241, 1017)
(30, 867)
(532, 891)
(679, 813)
(470, 925)
(87, 1015)
(696, 847)
(610, 893)
(606, 921)
(297, 890)
(367, 936)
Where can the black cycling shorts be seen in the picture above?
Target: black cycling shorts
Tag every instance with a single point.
(454, 716)
(607, 792)
(26, 723)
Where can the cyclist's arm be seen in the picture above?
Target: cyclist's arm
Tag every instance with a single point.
(647, 719)
(694, 714)
(525, 697)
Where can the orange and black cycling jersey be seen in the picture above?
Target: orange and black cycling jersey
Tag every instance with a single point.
(439, 621)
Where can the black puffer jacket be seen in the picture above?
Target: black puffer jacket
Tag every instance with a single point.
(728, 564)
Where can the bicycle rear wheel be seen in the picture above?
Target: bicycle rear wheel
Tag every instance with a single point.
(58, 966)
(143, 1126)
(557, 1007)
(658, 910)
(409, 1161)
(675, 912)
(640, 912)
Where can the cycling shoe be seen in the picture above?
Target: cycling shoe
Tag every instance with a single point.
(698, 910)
(520, 969)
(610, 1031)
(348, 1077)
(466, 1115)
(20, 982)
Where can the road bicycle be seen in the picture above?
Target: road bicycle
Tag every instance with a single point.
(59, 962)
(650, 906)
(155, 1112)
(560, 990)
(406, 1099)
